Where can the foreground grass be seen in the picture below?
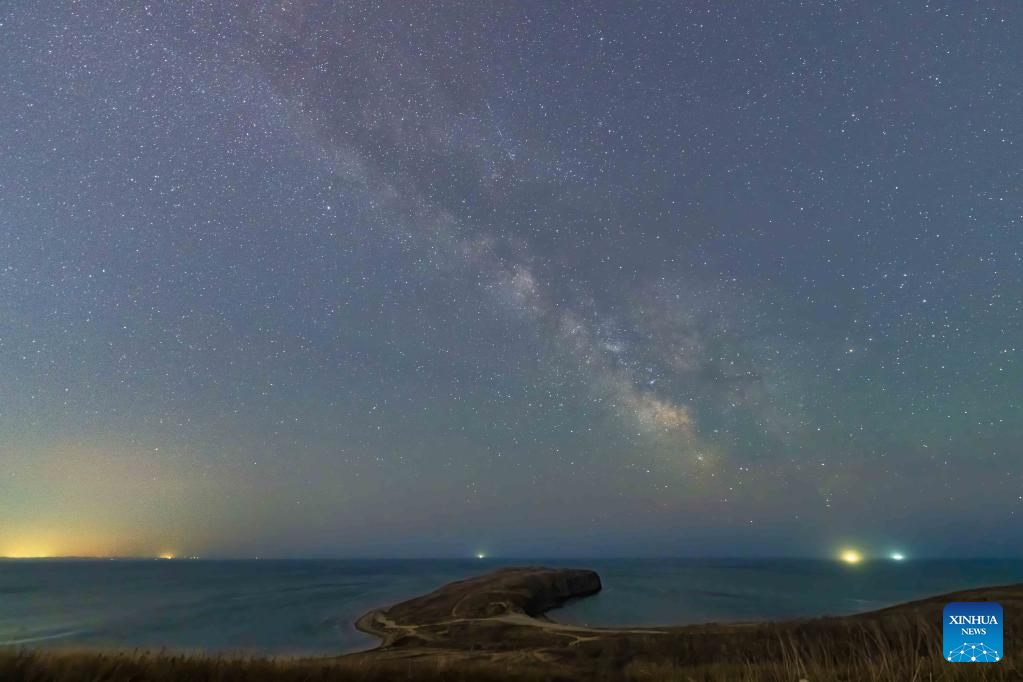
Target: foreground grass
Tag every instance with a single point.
(29, 666)
(898, 644)
(868, 652)
(862, 652)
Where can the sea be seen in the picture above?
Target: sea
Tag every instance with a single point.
(307, 608)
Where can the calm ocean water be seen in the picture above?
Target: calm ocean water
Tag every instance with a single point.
(308, 607)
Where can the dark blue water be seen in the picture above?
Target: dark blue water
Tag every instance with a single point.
(308, 607)
(700, 591)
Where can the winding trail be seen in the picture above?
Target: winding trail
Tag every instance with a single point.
(496, 623)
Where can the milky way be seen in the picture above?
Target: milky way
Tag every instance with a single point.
(325, 279)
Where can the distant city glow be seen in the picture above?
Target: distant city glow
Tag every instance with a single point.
(851, 556)
(896, 556)
(166, 556)
(26, 553)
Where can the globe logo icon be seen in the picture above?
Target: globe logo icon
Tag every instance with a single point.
(973, 653)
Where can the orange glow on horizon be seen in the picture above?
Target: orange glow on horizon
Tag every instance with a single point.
(45, 544)
(26, 554)
(37, 553)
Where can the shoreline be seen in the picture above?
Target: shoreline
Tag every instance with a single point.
(492, 621)
(495, 627)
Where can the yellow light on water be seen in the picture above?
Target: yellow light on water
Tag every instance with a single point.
(851, 556)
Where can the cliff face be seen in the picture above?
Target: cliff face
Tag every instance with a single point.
(529, 590)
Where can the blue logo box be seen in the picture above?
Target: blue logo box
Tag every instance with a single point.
(972, 632)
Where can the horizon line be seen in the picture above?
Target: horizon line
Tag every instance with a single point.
(510, 557)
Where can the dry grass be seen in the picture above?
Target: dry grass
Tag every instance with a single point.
(866, 653)
(854, 652)
(898, 644)
(29, 666)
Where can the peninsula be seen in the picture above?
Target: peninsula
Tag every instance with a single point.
(497, 623)
(495, 627)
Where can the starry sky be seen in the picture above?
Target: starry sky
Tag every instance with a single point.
(300, 278)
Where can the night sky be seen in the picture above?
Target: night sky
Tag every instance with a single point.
(319, 279)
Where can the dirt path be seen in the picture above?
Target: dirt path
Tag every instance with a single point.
(377, 623)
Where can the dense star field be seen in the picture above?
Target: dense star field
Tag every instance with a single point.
(314, 278)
